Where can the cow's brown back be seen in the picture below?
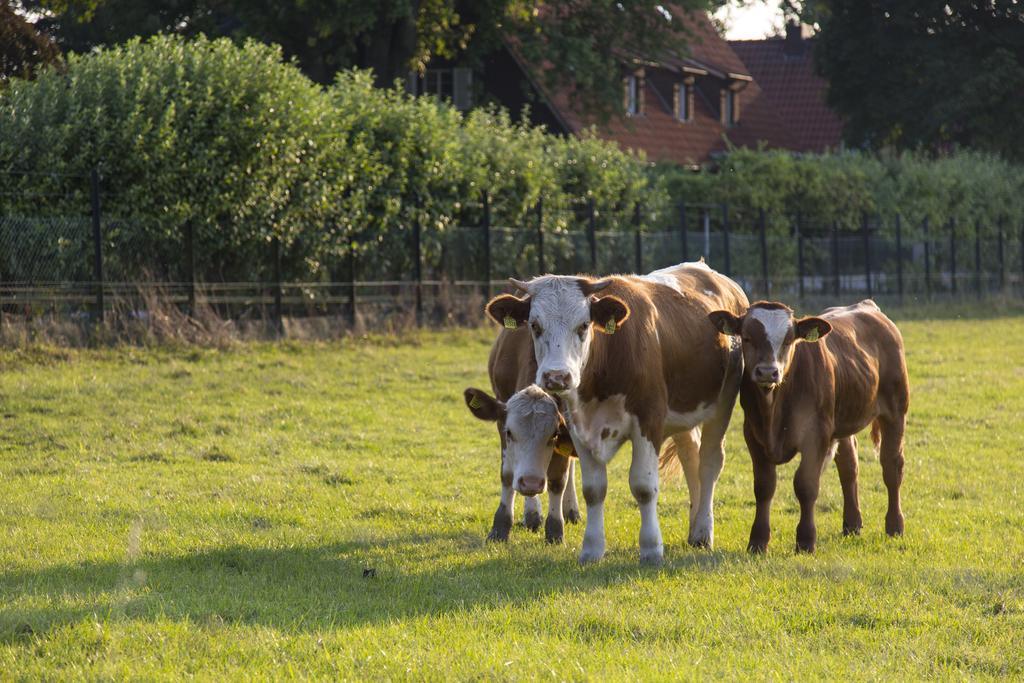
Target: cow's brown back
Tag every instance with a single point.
(866, 358)
(667, 356)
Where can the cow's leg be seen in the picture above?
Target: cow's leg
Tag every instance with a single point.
(554, 525)
(570, 505)
(688, 450)
(846, 463)
(806, 484)
(891, 455)
(502, 523)
(531, 513)
(595, 487)
(643, 483)
(765, 478)
(712, 459)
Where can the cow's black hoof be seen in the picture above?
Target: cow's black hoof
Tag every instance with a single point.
(573, 516)
(553, 530)
(501, 525)
(532, 520)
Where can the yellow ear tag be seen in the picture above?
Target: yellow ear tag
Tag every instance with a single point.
(475, 403)
(813, 335)
(510, 323)
(609, 327)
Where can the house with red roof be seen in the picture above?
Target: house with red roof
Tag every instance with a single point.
(784, 70)
(682, 109)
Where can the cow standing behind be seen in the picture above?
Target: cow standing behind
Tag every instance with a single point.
(536, 420)
(812, 398)
(655, 367)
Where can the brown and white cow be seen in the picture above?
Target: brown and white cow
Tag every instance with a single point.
(535, 429)
(655, 367)
(812, 398)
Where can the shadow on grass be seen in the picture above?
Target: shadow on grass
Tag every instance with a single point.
(306, 589)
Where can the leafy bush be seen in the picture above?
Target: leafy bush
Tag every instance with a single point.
(247, 148)
(966, 186)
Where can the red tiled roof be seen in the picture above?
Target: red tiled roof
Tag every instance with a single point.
(794, 91)
(664, 138)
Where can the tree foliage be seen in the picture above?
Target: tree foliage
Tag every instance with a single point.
(23, 49)
(580, 41)
(922, 74)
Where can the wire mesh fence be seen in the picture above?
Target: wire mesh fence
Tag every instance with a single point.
(442, 269)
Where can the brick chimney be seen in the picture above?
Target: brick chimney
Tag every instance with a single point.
(794, 45)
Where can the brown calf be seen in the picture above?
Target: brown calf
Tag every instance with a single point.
(512, 367)
(813, 398)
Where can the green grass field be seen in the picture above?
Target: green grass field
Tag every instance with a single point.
(190, 512)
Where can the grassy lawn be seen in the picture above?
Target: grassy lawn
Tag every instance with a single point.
(167, 513)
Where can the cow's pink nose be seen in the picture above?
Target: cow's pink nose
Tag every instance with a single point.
(556, 380)
(766, 373)
(530, 486)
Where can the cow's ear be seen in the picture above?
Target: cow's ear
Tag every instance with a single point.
(812, 329)
(508, 311)
(483, 405)
(726, 322)
(563, 439)
(608, 313)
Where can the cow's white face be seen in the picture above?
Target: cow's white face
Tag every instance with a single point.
(769, 333)
(530, 426)
(560, 325)
(531, 432)
(561, 312)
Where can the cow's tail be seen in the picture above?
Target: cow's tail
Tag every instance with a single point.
(876, 433)
(669, 464)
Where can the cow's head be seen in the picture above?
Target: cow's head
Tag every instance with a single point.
(769, 333)
(562, 312)
(531, 428)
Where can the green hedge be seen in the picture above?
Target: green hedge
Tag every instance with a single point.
(966, 186)
(245, 147)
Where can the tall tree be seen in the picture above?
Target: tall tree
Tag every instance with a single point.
(23, 49)
(924, 73)
(579, 41)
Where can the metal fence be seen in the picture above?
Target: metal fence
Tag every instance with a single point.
(84, 266)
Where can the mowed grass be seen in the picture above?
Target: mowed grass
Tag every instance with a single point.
(212, 513)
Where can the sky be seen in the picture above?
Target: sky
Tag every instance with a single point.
(751, 21)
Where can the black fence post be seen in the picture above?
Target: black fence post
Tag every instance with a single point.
(639, 246)
(190, 265)
(762, 224)
(725, 238)
(97, 241)
(540, 236)
(1002, 254)
(927, 259)
(417, 254)
(952, 255)
(682, 230)
(275, 246)
(352, 282)
(867, 251)
(592, 234)
(800, 254)
(977, 257)
(835, 258)
(487, 245)
(899, 257)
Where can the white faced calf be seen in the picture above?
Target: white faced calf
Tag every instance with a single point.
(535, 453)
